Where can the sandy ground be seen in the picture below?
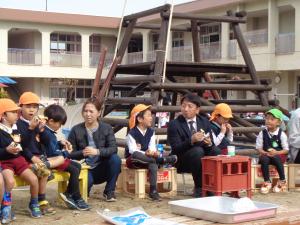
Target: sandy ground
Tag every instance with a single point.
(287, 202)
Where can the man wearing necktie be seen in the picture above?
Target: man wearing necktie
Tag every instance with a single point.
(190, 138)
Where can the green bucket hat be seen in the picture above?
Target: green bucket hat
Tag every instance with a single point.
(276, 113)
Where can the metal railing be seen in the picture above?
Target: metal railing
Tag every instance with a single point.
(210, 51)
(256, 37)
(134, 57)
(94, 59)
(21, 56)
(232, 49)
(182, 54)
(285, 43)
(65, 58)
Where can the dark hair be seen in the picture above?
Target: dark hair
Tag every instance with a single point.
(141, 115)
(193, 98)
(56, 113)
(92, 101)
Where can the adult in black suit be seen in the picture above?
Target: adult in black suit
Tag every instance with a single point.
(190, 138)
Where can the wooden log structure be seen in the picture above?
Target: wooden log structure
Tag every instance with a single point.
(148, 76)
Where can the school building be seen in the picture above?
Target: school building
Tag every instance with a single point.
(56, 54)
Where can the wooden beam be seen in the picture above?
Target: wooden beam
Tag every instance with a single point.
(157, 27)
(242, 101)
(209, 109)
(149, 12)
(132, 79)
(206, 18)
(209, 86)
(129, 100)
(96, 84)
(247, 58)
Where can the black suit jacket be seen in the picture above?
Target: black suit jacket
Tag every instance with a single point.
(179, 134)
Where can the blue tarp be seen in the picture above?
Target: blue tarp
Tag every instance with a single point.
(7, 80)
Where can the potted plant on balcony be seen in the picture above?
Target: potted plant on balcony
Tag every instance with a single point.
(3, 93)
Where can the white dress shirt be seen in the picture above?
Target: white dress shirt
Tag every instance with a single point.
(132, 145)
(283, 139)
(218, 139)
(194, 124)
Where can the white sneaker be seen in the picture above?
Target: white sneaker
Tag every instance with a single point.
(265, 187)
(280, 186)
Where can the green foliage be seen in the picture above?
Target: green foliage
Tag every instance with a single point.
(3, 93)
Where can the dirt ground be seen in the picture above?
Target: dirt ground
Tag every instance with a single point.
(287, 202)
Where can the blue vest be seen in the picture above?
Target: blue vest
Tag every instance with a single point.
(141, 139)
(271, 142)
(217, 130)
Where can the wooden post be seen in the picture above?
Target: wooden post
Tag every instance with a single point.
(247, 57)
(96, 85)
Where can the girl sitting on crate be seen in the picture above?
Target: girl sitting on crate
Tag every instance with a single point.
(272, 145)
(141, 151)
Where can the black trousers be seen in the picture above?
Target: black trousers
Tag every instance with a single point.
(265, 161)
(297, 159)
(190, 162)
(73, 185)
(140, 160)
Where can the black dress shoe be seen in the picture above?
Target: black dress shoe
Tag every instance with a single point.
(197, 193)
(210, 193)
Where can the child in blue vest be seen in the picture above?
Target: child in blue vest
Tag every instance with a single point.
(272, 145)
(141, 151)
(222, 130)
(31, 125)
(53, 148)
(13, 162)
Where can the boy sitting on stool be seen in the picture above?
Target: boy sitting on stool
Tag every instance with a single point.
(272, 145)
(141, 151)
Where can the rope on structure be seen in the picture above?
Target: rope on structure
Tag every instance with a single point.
(167, 43)
(165, 63)
(120, 28)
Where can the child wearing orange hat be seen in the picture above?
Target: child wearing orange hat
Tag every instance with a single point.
(222, 130)
(13, 162)
(30, 125)
(141, 151)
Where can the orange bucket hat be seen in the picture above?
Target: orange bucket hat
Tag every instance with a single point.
(7, 105)
(29, 98)
(222, 109)
(134, 112)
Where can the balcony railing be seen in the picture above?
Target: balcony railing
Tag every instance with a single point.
(94, 59)
(134, 57)
(232, 49)
(182, 54)
(151, 55)
(210, 51)
(256, 37)
(65, 58)
(24, 56)
(285, 43)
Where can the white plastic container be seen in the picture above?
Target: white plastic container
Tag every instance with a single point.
(231, 150)
(220, 209)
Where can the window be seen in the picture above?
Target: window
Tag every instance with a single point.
(135, 44)
(95, 43)
(70, 89)
(60, 42)
(177, 39)
(155, 38)
(210, 33)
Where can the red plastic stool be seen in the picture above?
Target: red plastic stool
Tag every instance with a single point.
(226, 174)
